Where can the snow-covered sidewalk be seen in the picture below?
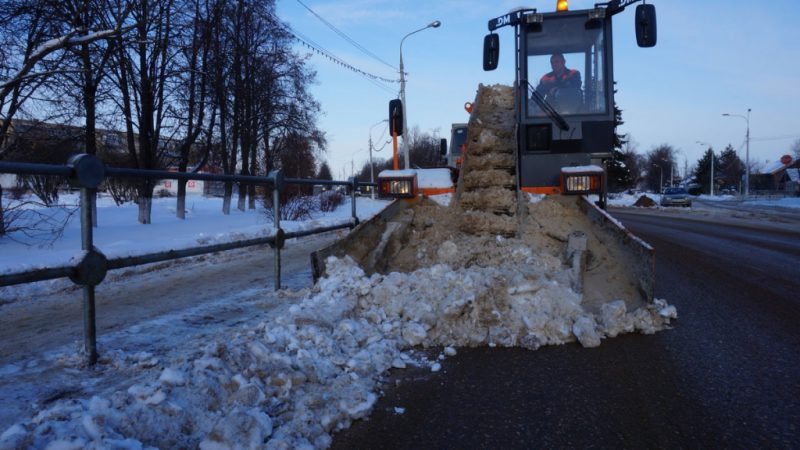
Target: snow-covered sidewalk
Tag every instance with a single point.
(119, 234)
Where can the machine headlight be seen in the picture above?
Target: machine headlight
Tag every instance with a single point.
(582, 180)
(397, 187)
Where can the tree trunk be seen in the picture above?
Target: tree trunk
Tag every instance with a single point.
(251, 189)
(226, 199)
(89, 95)
(181, 204)
(145, 202)
(242, 196)
(2, 219)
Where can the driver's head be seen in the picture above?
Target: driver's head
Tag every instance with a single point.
(557, 62)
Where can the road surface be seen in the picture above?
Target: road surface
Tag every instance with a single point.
(726, 376)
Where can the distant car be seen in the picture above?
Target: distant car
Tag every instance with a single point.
(676, 196)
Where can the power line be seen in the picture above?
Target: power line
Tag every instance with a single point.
(336, 60)
(345, 37)
(776, 138)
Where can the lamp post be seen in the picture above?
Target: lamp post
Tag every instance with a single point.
(747, 154)
(372, 166)
(434, 24)
(711, 183)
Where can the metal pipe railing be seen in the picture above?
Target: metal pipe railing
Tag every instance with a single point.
(87, 172)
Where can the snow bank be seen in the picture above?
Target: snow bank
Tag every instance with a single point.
(434, 178)
(291, 381)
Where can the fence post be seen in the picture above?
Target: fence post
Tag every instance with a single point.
(353, 188)
(91, 265)
(277, 186)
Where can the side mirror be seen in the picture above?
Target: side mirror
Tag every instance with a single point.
(396, 117)
(443, 147)
(646, 25)
(491, 51)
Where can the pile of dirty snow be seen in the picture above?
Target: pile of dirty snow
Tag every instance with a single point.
(645, 202)
(293, 380)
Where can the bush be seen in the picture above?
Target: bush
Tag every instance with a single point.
(330, 200)
(18, 191)
(295, 208)
(121, 190)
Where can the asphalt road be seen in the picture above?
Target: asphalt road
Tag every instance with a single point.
(726, 376)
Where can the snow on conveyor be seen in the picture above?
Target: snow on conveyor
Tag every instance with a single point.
(293, 380)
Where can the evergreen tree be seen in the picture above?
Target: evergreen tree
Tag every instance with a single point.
(620, 176)
(702, 172)
(324, 172)
(731, 168)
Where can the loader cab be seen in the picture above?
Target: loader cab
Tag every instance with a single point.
(566, 81)
(565, 88)
(458, 141)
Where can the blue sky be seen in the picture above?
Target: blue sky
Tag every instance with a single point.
(712, 57)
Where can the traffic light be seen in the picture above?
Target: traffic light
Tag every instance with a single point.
(396, 117)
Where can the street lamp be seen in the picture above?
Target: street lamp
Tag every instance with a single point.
(711, 188)
(747, 154)
(434, 24)
(372, 166)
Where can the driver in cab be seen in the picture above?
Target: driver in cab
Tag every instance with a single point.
(561, 77)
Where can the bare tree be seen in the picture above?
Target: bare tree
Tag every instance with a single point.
(35, 41)
(660, 160)
(145, 74)
(195, 92)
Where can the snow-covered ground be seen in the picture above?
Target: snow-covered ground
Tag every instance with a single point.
(119, 234)
(624, 200)
(299, 364)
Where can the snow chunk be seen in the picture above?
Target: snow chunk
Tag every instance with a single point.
(584, 330)
(172, 377)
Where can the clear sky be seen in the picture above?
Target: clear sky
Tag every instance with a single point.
(712, 57)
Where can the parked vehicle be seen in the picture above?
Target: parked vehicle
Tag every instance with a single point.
(676, 196)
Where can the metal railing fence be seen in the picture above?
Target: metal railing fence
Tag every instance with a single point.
(90, 266)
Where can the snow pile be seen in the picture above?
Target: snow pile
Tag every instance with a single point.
(645, 202)
(291, 381)
(434, 178)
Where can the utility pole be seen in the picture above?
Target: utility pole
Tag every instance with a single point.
(712, 173)
(747, 154)
(434, 24)
(371, 165)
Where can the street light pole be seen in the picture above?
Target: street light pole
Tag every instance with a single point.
(747, 154)
(371, 165)
(434, 24)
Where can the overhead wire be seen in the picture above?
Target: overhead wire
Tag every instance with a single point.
(383, 133)
(346, 37)
(318, 49)
(776, 138)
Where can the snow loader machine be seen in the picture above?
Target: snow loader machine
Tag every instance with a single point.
(535, 155)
